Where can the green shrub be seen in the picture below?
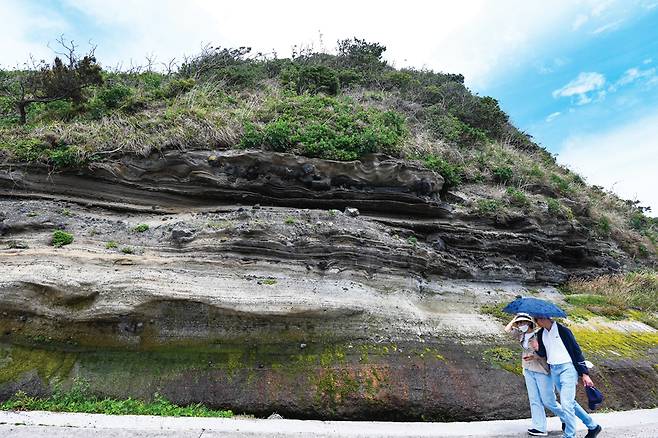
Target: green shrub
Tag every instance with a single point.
(141, 228)
(113, 97)
(603, 226)
(127, 250)
(176, 87)
(503, 174)
(483, 113)
(34, 149)
(451, 173)
(449, 128)
(517, 197)
(241, 76)
(61, 238)
(554, 206)
(111, 244)
(401, 80)
(535, 172)
(151, 80)
(325, 127)
(560, 184)
(68, 156)
(362, 55)
(316, 79)
(134, 104)
(289, 220)
(488, 206)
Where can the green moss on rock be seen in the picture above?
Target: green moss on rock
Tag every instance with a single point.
(16, 361)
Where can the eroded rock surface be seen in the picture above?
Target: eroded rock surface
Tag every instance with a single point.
(257, 286)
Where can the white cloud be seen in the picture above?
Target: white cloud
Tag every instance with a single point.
(633, 74)
(552, 116)
(579, 21)
(478, 38)
(607, 27)
(600, 7)
(20, 24)
(622, 159)
(583, 87)
(554, 65)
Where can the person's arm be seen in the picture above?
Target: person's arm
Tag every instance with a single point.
(577, 356)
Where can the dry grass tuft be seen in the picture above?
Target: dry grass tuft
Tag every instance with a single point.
(634, 290)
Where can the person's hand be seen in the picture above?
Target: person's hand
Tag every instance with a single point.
(534, 344)
(587, 381)
(530, 357)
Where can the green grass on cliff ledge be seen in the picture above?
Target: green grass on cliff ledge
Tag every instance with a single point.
(633, 295)
(78, 399)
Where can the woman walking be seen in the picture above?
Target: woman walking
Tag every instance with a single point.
(536, 372)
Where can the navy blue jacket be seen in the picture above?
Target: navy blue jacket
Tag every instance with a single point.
(571, 345)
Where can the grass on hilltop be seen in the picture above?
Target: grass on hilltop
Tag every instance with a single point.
(338, 106)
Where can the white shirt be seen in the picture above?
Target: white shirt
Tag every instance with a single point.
(556, 352)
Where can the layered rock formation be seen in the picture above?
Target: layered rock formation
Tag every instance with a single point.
(251, 289)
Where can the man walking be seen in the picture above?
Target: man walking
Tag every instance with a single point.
(558, 345)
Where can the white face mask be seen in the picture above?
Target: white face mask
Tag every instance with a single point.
(523, 328)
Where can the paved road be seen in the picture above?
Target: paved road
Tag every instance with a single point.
(629, 424)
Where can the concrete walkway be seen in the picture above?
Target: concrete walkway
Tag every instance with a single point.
(629, 424)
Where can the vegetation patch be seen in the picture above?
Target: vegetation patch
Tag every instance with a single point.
(504, 358)
(517, 197)
(633, 290)
(338, 105)
(496, 310)
(606, 342)
(80, 399)
(141, 228)
(556, 208)
(451, 173)
(61, 238)
(15, 361)
(489, 207)
(325, 127)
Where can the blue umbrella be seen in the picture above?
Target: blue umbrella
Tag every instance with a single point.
(535, 307)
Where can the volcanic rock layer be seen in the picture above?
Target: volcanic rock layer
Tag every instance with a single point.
(234, 278)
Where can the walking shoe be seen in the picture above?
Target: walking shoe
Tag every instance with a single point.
(564, 426)
(592, 433)
(535, 432)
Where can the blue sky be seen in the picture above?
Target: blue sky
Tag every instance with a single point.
(618, 66)
(578, 75)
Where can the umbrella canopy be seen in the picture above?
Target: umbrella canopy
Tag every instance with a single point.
(535, 307)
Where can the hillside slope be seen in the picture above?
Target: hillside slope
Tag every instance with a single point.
(323, 236)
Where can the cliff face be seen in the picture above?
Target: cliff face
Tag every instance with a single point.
(257, 286)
